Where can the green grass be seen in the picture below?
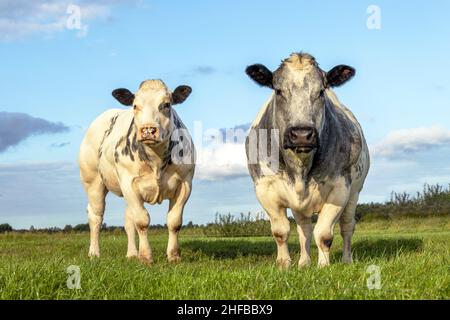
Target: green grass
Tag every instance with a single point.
(413, 254)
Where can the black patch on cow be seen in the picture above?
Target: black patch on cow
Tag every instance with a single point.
(266, 122)
(126, 150)
(142, 154)
(134, 143)
(328, 242)
(106, 134)
(339, 148)
(178, 124)
(128, 142)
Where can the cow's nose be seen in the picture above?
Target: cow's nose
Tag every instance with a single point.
(302, 136)
(150, 133)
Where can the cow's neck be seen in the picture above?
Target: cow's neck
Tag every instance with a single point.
(297, 167)
(155, 157)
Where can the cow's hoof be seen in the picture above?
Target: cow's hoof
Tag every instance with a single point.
(283, 264)
(347, 260)
(146, 260)
(93, 255)
(323, 264)
(132, 253)
(303, 263)
(131, 256)
(174, 259)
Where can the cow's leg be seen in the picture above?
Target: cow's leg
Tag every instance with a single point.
(347, 226)
(323, 231)
(279, 224)
(280, 230)
(304, 229)
(141, 220)
(96, 192)
(131, 232)
(328, 216)
(175, 220)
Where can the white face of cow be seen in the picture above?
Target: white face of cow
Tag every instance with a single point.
(299, 85)
(152, 107)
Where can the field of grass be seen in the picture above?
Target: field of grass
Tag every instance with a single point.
(413, 255)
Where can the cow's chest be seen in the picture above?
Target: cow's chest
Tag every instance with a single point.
(154, 187)
(304, 198)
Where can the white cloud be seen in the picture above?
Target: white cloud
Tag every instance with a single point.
(224, 161)
(407, 141)
(24, 18)
(223, 154)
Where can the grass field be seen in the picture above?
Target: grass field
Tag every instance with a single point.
(413, 256)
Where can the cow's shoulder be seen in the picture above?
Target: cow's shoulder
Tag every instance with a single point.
(340, 144)
(100, 125)
(351, 133)
(263, 127)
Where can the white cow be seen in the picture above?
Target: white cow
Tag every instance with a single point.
(143, 154)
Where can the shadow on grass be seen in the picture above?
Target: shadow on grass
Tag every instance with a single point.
(362, 249)
(384, 248)
(228, 249)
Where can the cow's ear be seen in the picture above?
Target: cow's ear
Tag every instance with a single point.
(260, 74)
(180, 94)
(339, 75)
(124, 96)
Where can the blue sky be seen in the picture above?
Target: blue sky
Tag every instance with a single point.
(64, 77)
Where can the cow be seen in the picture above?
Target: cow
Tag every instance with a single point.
(144, 154)
(320, 153)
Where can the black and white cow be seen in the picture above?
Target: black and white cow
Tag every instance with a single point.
(144, 154)
(319, 151)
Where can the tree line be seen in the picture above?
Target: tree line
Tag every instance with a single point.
(433, 200)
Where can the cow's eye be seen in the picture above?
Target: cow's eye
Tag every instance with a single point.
(279, 92)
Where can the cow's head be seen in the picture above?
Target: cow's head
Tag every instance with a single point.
(299, 86)
(152, 107)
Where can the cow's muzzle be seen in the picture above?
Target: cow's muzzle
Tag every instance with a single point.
(301, 139)
(150, 135)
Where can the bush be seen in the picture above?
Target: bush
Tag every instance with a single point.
(5, 228)
(244, 225)
(434, 200)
